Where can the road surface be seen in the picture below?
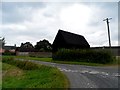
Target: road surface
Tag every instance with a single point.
(81, 76)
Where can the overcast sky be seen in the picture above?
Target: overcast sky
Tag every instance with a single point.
(34, 21)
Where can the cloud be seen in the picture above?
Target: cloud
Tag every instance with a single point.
(75, 16)
(36, 21)
(89, 22)
(61, 1)
(13, 12)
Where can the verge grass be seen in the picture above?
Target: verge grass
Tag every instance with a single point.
(0, 75)
(41, 77)
(115, 62)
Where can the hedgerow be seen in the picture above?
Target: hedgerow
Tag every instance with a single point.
(83, 55)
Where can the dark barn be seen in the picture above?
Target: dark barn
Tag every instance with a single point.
(69, 40)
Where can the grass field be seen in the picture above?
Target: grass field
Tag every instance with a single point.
(43, 77)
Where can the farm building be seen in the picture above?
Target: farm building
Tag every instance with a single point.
(69, 40)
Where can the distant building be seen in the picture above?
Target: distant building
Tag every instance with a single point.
(1, 50)
(8, 48)
(69, 40)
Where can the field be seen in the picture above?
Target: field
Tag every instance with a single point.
(43, 77)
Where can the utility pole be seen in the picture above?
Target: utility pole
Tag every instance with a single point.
(107, 20)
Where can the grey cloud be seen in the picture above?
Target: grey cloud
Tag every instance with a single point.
(10, 13)
(10, 6)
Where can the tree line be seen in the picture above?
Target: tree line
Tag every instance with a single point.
(42, 45)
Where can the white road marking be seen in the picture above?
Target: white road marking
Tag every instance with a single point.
(94, 72)
(116, 75)
(84, 71)
(104, 74)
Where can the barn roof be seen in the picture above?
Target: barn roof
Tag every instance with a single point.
(72, 38)
(69, 40)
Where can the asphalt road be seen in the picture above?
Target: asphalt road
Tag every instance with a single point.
(81, 76)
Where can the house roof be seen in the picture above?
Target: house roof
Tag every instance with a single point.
(9, 47)
(66, 39)
(73, 39)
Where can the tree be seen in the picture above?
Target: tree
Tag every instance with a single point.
(43, 45)
(2, 41)
(26, 45)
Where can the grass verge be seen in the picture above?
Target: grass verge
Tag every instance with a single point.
(116, 61)
(0, 75)
(43, 77)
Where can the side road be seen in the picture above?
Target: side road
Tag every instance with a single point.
(81, 76)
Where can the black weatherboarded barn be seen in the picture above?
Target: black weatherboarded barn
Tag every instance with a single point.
(69, 40)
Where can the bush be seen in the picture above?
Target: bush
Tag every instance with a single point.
(25, 65)
(83, 55)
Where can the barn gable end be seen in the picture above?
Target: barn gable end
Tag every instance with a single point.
(69, 40)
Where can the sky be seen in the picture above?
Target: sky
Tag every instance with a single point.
(34, 21)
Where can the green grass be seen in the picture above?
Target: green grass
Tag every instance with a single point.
(43, 77)
(116, 61)
(30, 58)
(78, 63)
(0, 75)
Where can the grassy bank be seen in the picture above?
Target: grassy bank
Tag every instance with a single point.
(0, 75)
(115, 62)
(41, 77)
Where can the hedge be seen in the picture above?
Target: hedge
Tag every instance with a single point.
(83, 55)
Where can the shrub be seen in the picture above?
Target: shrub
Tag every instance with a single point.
(25, 65)
(30, 66)
(83, 55)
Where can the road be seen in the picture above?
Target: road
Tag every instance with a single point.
(81, 76)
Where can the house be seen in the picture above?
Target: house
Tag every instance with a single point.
(8, 49)
(69, 40)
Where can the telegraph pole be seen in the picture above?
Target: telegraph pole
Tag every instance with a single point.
(107, 20)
